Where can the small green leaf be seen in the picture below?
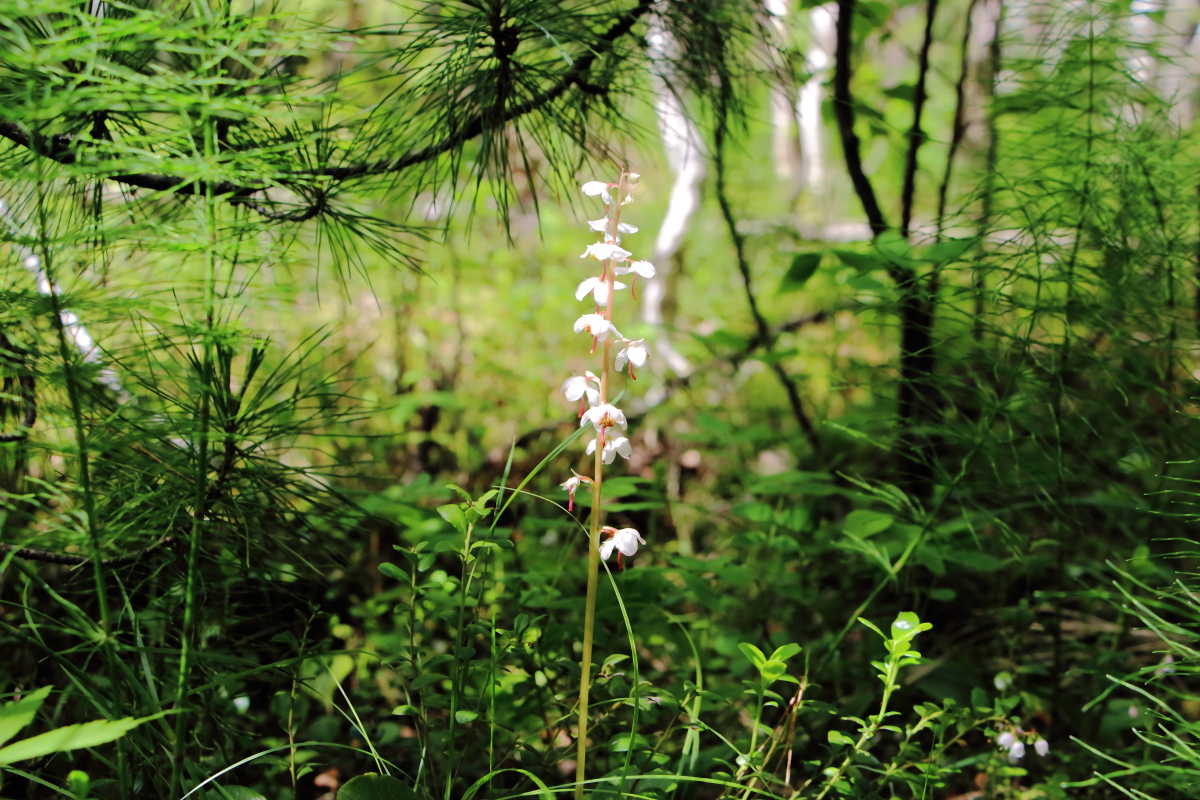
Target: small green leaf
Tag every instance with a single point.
(375, 787)
(242, 793)
(864, 523)
(463, 717)
(16, 715)
(872, 626)
(901, 91)
(753, 653)
(406, 711)
(72, 737)
(785, 652)
(772, 670)
(802, 268)
(837, 737)
(421, 681)
(455, 516)
(390, 570)
(864, 262)
(947, 251)
(625, 741)
(907, 625)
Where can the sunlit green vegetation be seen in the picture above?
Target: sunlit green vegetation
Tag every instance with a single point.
(287, 310)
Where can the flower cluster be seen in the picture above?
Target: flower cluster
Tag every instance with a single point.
(607, 421)
(1014, 743)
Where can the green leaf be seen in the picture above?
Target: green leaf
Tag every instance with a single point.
(375, 787)
(947, 251)
(16, 715)
(901, 91)
(872, 626)
(894, 247)
(422, 681)
(625, 741)
(390, 570)
(454, 515)
(772, 670)
(863, 523)
(753, 653)
(864, 262)
(785, 652)
(907, 625)
(802, 268)
(837, 737)
(72, 737)
(241, 793)
(463, 717)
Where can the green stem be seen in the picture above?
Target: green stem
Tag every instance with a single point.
(868, 733)
(70, 376)
(199, 503)
(593, 569)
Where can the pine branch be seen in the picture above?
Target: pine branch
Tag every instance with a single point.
(65, 148)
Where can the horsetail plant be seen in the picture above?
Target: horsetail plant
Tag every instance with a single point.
(608, 421)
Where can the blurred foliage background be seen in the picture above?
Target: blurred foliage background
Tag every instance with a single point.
(924, 336)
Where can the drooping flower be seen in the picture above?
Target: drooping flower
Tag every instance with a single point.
(1042, 747)
(642, 269)
(598, 288)
(571, 484)
(613, 446)
(597, 326)
(633, 351)
(604, 416)
(1006, 740)
(605, 226)
(577, 387)
(625, 541)
(603, 251)
(1016, 752)
(598, 188)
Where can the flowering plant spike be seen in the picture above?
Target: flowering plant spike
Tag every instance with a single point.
(592, 392)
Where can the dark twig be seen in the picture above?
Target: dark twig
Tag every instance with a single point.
(993, 153)
(765, 336)
(843, 109)
(916, 306)
(959, 128)
(64, 148)
(29, 554)
(915, 135)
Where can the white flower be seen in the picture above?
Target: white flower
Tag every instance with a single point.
(613, 445)
(625, 541)
(598, 288)
(603, 251)
(1042, 747)
(1016, 751)
(642, 269)
(1006, 739)
(594, 188)
(635, 352)
(604, 416)
(577, 387)
(597, 326)
(571, 484)
(605, 226)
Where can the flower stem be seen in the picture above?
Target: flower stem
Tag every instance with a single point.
(589, 617)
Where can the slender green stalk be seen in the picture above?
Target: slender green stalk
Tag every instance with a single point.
(65, 350)
(593, 569)
(199, 507)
